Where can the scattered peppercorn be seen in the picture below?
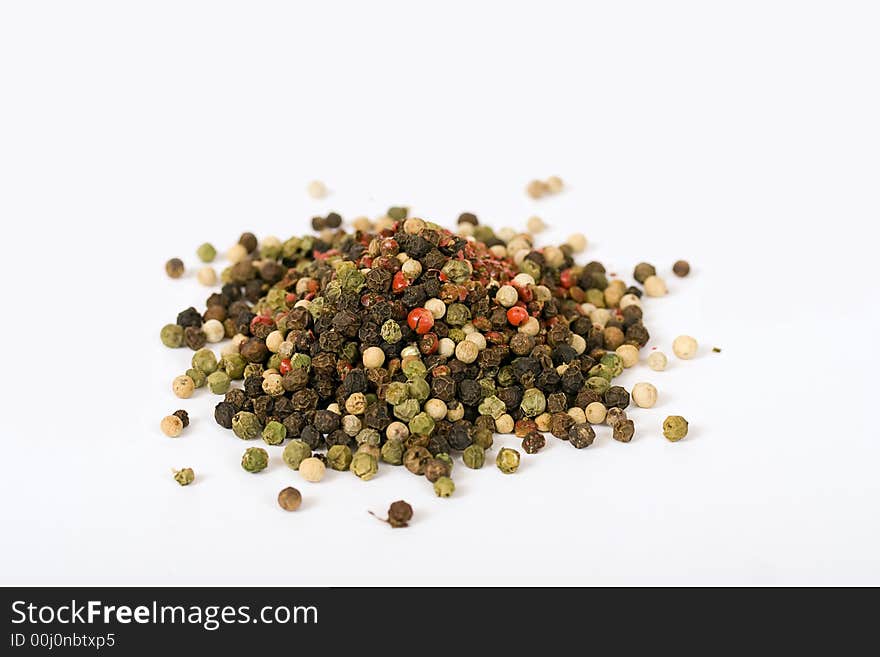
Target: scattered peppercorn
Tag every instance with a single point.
(255, 459)
(507, 460)
(174, 268)
(675, 427)
(185, 476)
(289, 499)
(681, 268)
(171, 426)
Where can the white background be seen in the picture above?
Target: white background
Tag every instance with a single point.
(742, 136)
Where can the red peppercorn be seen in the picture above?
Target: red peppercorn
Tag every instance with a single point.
(285, 366)
(399, 283)
(517, 315)
(420, 320)
(567, 279)
(290, 298)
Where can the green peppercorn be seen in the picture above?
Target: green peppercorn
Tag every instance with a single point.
(613, 362)
(598, 384)
(493, 407)
(246, 425)
(295, 452)
(364, 466)
(507, 460)
(274, 433)
(533, 402)
(474, 456)
(204, 360)
(391, 332)
(185, 476)
(339, 457)
(392, 452)
(218, 382)
(368, 436)
(675, 427)
(413, 367)
(421, 425)
(419, 389)
(206, 252)
(234, 366)
(483, 438)
(406, 410)
(444, 487)
(396, 393)
(198, 377)
(171, 336)
(255, 459)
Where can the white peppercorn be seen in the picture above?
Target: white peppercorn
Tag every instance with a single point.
(535, 225)
(236, 253)
(530, 327)
(507, 295)
(316, 189)
(629, 354)
(657, 361)
(629, 300)
(504, 424)
(183, 386)
(207, 276)
(578, 343)
(466, 351)
(477, 338)
(171, 426)
(644, 395)
(596, 412)
(373, 358)
(685, 347)
(397, 431)
(577, 414)
(436, 408)
(312, 469)
(436, 307)
(577, 242)
(446, 347)
(655, 286)
(214, 331)
(274, 340)
(554, 184)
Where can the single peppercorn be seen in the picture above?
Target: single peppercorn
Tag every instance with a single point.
(339, 457)
(533, 442)
(255, 459)
(399, 514)
(364, 465)
(312, 469)
(581, 435)
(473, 457)
(675, 427)
(623, 431)
(507, 460)
(171, 336)
(444, 487)
(184, 417)
(289, 499)
(185, 476)
(681, 268)
(171, 426)
(174, 268)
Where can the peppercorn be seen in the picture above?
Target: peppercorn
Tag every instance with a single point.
(595, 412)
(289, 499)
(339, 457)
(183, 386)
(644, 395)
(444, 487)
(675, 427)
(274, 433)
(174, 268)
(642, 271)
(184, 417)
(616, 396)
(246, 425)
(218, 382)
(681, 268)
(172, 335)
(171, 426)
(255, 459)
(399, 514)
(685, 347)
(185, 476)
(507, 460)
(364, 466)
(435, 468)
(533, 442)
(312, 469)
(581, 435)
(415, 459)
(657, 361)
(623, 431)
(206, 252)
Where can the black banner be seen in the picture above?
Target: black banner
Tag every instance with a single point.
(127, 620)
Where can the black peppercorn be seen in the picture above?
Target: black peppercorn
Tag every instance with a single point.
(581, 435)
(223, 414)
(616, 396)
(533, 442)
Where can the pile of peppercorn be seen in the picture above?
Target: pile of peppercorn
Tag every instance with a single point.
(405, 343)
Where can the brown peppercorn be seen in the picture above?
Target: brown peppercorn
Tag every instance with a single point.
(435, 468)
(194, 337)
(560, 424)
(174, 268)
(533, 442)
(616, 396)
(248, 241)
(289, 499)
(415, 459)
(643, 270)
(581, 435)
(681, 268)
(184, 417)
(613, 337)
(254, 350)
(623, 431)
(524, 427)
(399, 514)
